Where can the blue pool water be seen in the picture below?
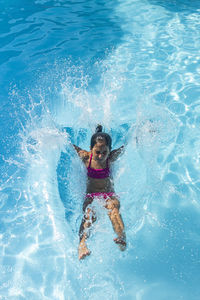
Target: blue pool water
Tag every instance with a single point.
(133, 66)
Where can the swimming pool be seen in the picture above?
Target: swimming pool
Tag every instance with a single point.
(134, 67)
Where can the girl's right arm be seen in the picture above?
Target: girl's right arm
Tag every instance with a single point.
(84, 155)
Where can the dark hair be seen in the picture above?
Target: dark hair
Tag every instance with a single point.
(99, 135)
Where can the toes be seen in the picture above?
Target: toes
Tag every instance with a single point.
(84, 254)
(121, 243)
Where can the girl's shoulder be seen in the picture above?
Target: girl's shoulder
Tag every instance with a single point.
(114, 154)
(83, 154)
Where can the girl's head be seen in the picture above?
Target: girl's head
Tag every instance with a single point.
(100, 137)
(100, 144)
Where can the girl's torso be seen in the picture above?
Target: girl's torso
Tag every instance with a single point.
(99, 179)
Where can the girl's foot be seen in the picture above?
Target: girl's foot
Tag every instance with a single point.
(121, 243)
(83, 251)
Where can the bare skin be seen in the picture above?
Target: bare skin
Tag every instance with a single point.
(100, 153)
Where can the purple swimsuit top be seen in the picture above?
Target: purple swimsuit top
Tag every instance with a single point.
(98, 173)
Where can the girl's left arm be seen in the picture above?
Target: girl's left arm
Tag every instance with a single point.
(81, 153)
(114, 154)
(78, 149)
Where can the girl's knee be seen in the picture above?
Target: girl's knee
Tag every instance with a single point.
(89, 216)
(112, 204)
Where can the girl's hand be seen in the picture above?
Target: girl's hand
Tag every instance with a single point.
(84, 155)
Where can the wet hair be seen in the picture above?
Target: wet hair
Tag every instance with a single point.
(99, 136)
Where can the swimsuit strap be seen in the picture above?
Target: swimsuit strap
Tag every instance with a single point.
(90, 161)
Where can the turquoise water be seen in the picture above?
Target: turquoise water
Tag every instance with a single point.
(134, 67)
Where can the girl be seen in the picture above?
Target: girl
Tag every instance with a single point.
(100, 184)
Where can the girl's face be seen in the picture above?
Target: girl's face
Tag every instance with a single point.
(100, 151)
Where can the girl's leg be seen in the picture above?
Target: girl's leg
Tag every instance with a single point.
(88, 219)
(113, 205)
